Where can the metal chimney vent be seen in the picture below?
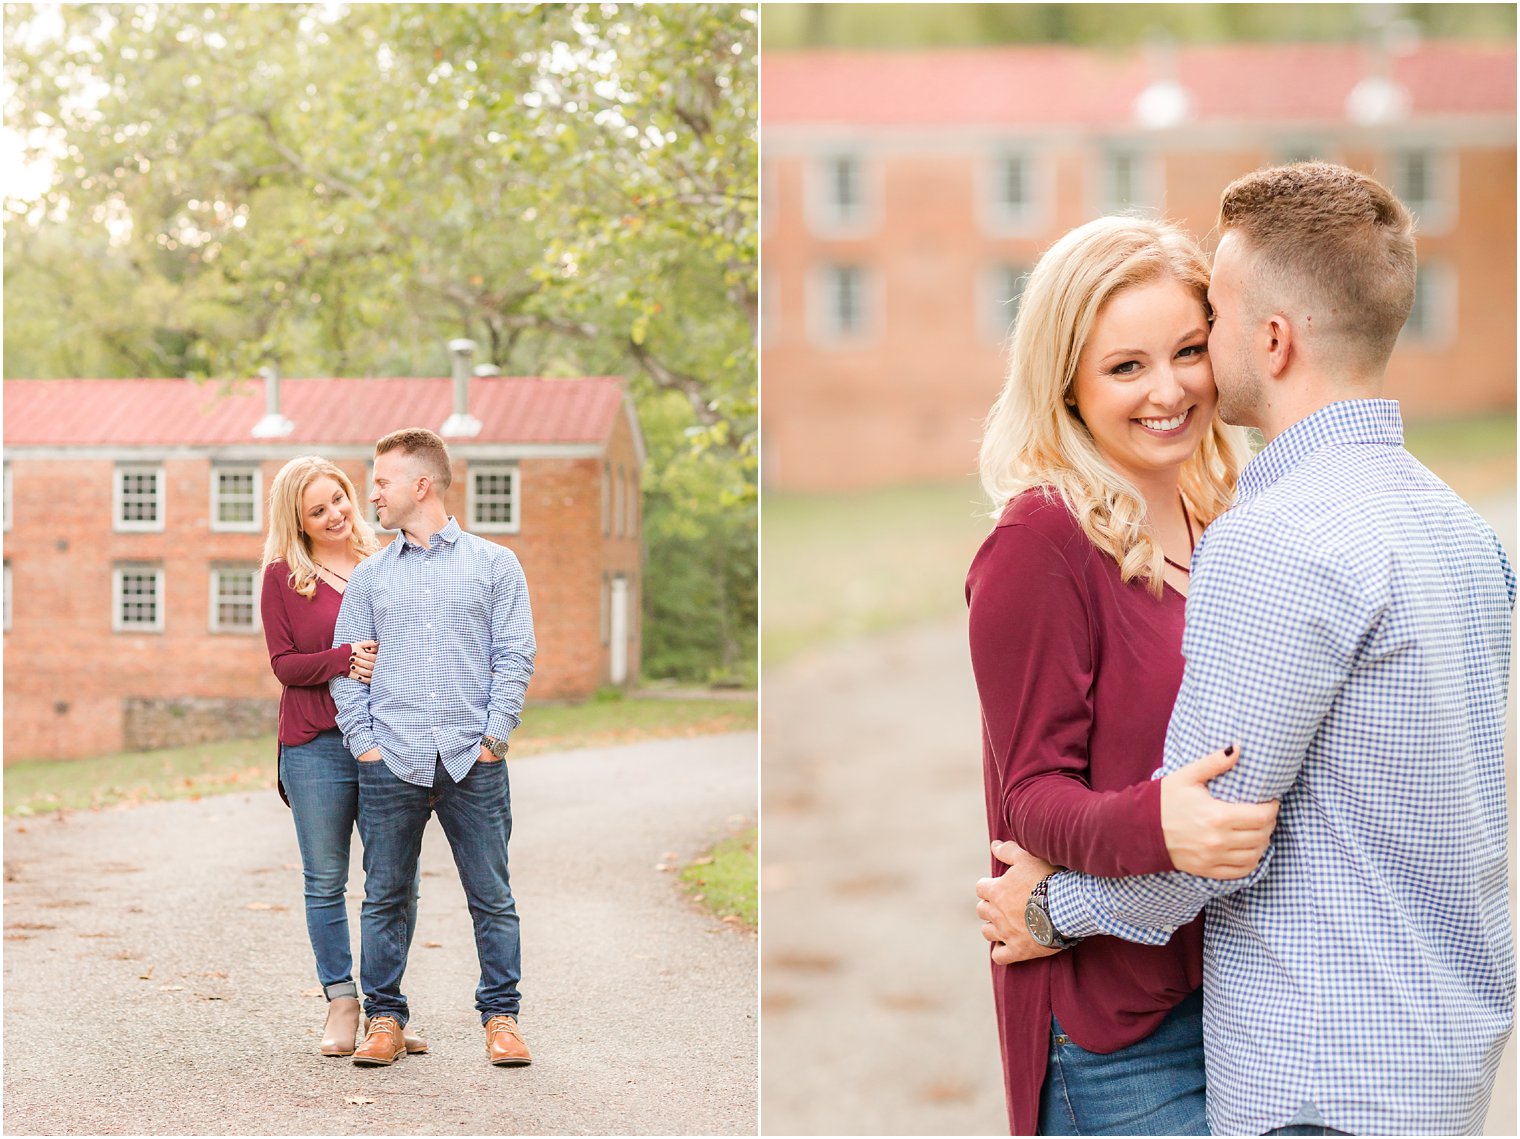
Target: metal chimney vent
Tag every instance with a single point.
(273, 425)
(461, 424)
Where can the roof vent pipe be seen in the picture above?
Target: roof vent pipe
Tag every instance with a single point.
(273, 425)
(461, 423)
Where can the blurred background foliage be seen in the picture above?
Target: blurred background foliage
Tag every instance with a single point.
(204, 189)
(919, 26)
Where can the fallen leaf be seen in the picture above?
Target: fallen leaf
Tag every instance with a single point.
(213, 973)
(265, 906)
(432, 945)
(357, 1099)
(148, 976)
(209, 997)
(703, 862)
(170, 988)
(316, 992)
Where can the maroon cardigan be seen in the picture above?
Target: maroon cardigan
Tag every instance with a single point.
(1077, 673)
(299, 633)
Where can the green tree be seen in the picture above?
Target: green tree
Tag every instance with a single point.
(340, 190)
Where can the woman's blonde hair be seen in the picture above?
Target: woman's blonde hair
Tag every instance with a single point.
(287, 540)
(1034, 438)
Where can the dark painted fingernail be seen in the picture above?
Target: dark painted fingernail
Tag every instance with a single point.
(1230, 750)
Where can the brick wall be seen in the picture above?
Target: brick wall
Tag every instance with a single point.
(906, 403)
(70, 680)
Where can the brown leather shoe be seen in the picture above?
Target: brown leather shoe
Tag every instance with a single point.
(342, 1027)
(383, 1043)
(414, 1042)
(505, 1046)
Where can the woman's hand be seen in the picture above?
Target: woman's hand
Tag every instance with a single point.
(1210, 837)
(361, 664)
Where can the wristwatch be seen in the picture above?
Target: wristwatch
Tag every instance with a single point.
(496, 747)
(1037, 918)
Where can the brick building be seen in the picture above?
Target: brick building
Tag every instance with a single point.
(907, 193)
(134, 525)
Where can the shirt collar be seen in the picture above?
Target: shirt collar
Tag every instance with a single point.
(1375, 421)
(448, 536)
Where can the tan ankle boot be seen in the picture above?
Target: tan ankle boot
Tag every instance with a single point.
(342, 1027)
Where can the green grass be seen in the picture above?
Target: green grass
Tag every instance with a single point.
(725, 880)
(33, 787)
(839, 566)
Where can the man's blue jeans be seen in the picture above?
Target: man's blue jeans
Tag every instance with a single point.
(321, 780)
(476, 816)
(1153, 1087)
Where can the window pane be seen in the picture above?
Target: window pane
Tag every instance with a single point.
(139, 599)
(1012, 182)
(494, 497)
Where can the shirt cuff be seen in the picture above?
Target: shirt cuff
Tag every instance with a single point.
(499, 725)
(1067, 908)
(360, 742)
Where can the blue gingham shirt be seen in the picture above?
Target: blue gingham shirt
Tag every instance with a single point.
(1348, 622)
(456, 651)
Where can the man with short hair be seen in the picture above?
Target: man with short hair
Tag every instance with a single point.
(1348, 624)
(451, 614)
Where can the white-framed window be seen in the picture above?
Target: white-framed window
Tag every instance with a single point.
(137, 599)
(8, 599)
(494, 498)
(139, 497)
(842, 303)
(1000, 288)
(1433, 319)
(7, 500)
(619, 519)
(633, 503)
(234, 599)
(606, 500)
(235, 498)
(1424, 179)
(1011, 191)
(841, 195)
(1126, 180)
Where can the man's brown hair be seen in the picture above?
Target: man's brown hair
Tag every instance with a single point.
(1333, 244)
(420, 443)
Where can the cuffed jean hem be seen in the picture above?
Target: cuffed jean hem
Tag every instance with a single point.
(341, 989)
(485, 1017)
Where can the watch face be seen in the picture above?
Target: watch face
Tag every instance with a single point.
(1039, 924)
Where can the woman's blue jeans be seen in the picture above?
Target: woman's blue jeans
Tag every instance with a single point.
(1153, 1087)
(321, 780)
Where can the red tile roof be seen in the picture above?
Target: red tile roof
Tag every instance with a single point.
(1053, 86)
(512, 409)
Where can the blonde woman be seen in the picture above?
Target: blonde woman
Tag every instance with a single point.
(317, 536)
(1106, 460)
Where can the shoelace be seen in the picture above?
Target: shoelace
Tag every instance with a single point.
(502, 1024)
(388, 1023)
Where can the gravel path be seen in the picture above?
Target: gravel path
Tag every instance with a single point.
(158, 978)
(876, 998)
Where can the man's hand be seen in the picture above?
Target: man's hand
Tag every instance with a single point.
(1002, 905)
(371, 756)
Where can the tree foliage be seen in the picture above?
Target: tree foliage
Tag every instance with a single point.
(789, 26)
(342, 189)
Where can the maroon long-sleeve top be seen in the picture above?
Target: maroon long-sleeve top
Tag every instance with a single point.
(1077, 672)
(299, 633)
